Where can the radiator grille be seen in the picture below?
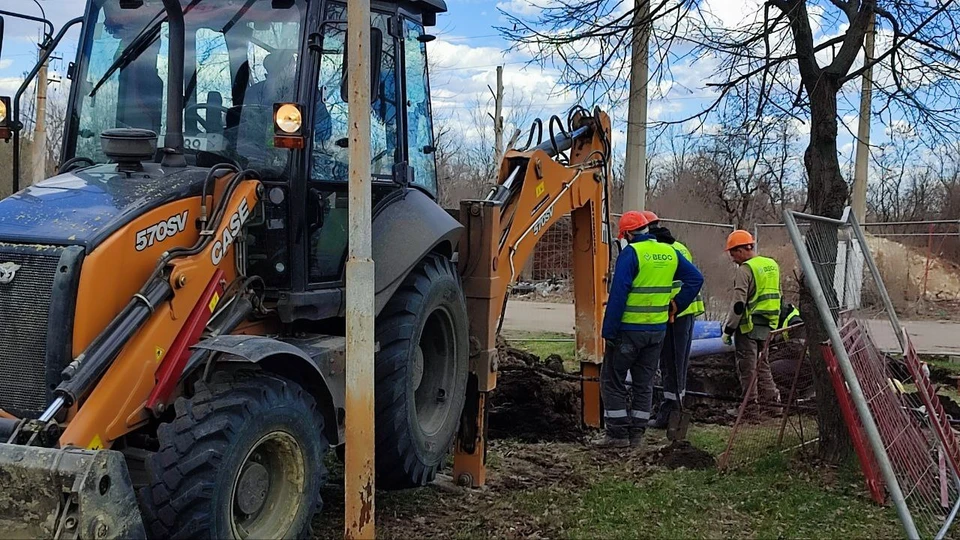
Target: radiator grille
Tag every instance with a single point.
(24, 311)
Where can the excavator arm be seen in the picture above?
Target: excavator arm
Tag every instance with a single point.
(565, 175)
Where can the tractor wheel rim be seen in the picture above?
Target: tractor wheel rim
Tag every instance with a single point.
(268, 488)
(437, 349)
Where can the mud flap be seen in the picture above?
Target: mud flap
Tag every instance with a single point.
(66, 493)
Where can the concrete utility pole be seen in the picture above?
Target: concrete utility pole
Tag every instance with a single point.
(359, 469)
(39, 145)
(635, 171)
(863, 131)
(498, 118)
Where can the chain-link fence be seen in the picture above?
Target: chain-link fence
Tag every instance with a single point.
(918, 260)
(552, 257)
(902, 433)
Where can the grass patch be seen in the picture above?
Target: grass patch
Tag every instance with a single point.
(528, 341)
(773, 501)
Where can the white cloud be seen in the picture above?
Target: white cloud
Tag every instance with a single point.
(9, 85)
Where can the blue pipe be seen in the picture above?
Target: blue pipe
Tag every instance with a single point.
(705, 347)
(707, 329)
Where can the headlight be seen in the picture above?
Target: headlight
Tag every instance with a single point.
(3, 112)
(288, 118)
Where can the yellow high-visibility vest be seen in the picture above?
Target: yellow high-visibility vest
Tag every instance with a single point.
(696, 307)
(763, 307)
(649, 299)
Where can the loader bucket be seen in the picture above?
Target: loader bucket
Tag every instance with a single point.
(66, 493)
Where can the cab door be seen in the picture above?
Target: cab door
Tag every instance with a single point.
(326, 203)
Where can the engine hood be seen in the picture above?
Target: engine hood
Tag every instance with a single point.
(85, 207)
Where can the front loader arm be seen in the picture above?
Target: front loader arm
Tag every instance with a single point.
(194, 281)
(535, 190)
(71, 485)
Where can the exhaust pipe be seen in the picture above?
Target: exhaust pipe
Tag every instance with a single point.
(173, 140)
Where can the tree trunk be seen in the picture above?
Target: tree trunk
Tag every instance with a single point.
(826, 196)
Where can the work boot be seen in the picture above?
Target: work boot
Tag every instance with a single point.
(636, 438)
(663, 415)
(611, 442)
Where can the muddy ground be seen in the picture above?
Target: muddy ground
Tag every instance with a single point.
(536, 401)
(537, 454)
(516, 472)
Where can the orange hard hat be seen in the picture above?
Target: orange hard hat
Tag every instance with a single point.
(651, 217)
(631, 221)
(739, 238)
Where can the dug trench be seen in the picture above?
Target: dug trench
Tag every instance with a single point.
(537, 445)
(540, 463)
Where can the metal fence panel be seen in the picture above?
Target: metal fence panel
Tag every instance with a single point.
(915, 457)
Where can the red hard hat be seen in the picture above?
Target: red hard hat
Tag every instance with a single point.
(739, 238)
(631, 221)
(651, 217)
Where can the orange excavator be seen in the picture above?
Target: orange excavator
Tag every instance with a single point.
(172, 350)
(568, 174)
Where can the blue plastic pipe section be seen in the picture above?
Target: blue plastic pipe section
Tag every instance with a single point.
(707, 329)
(707, 339)
(705, 347)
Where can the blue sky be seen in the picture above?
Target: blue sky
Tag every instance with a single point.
(463, 58)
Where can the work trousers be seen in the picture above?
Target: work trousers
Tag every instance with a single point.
(675, 357)
(748, 364)
(636, 353)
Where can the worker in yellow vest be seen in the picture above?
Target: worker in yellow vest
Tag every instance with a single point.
(639, 306)
(675, 356)
(754, 313)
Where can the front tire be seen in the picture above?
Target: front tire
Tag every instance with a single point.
(421, 372)
(243, 458)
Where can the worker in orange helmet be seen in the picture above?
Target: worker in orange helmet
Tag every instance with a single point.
(639, 306)
(754, 313)
(675, 356)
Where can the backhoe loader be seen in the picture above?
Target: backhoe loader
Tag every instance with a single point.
(172, 313)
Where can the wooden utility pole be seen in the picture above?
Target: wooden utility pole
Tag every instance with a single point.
(498, 118)
(39, 145)
(359, 486)
(635, 171)
(863, 130)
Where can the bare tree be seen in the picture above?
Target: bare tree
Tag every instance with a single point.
(776, 60)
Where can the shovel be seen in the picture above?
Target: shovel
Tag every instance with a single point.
(679, 421)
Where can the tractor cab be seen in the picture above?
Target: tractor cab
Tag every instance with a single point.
(264, 89)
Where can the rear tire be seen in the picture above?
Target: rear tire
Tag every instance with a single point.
(421, 372)
(244, 454)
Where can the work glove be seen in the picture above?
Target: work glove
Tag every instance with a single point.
(727, 339)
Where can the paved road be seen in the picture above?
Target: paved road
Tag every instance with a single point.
(929, 337)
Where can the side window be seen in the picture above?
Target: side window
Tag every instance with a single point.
(419, 124)
(204, 123)
(330, 129)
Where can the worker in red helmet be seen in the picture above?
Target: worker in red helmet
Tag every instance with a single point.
(640, 304)
(675, 356)
(754, 313)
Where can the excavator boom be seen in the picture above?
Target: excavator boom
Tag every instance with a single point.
(535, 189)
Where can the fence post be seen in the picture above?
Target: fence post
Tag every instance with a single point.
(884, 296)
(856, 392)
(926, 267)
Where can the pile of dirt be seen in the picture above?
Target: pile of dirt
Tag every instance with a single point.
(534, 401)
(904, 262)
(682, 454)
